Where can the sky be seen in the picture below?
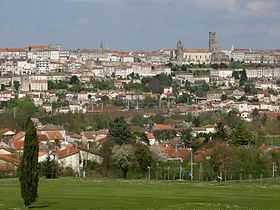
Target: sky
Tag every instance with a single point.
(140, 24)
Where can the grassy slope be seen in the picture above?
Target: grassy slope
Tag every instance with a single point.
(70, 194)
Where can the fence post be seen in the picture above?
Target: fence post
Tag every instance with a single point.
(168, 168)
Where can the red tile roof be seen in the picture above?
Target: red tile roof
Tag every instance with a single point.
(89, 135)
(8, 163)
(38, 46)
(272, 114)
(50, 136)
(11, 50)
(9, 159)
(17, 141)
(162, 127)
(172, 152)
(150, 136)
(67, 151)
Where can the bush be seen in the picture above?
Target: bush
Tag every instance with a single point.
(68, 172)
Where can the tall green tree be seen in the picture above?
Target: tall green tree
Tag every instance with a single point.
(243, 78)
(74, 80)
(119, 131)
(221, 133)
(16, 85)
(143, 156)
(236, 75)
(187, 137)
(106, 153)
(242, 136)
(29, 168)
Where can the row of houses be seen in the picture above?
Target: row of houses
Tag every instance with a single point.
(69, 150)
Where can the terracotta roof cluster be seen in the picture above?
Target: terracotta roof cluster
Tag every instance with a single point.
(67, 151)
(171, 152)
(17, 141)
(8, 163)
(50, 136)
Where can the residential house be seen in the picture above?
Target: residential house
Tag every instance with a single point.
(17, 141)
(8, 165)
(52, 134)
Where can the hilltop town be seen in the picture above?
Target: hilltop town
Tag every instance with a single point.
(181, 103)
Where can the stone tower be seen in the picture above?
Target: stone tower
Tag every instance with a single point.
(180, 52)
(213, 42)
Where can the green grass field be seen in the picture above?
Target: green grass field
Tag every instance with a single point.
(74, 194)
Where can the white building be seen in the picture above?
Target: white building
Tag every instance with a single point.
(197, 56)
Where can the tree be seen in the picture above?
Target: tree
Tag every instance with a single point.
(232, 118)
(241, 136)
(16, 85)
(196, 121)
(21, 109)
(184, 98)
(143, 157)
(119, 131)
(3, 87)
(255, 115)
(224, 97)
(74, 80)
(106, 154)
(221, 158)
(243, 78)
(186, 137)
(221, 132)
(29, 170)
(158, 83)
(123, 157)
(250, 88)
(235, 75)
(142, 137)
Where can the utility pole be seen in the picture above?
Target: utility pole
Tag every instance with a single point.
(181, 169)
(128, 104)
(168, 169)
(191, 174)
(273, 169)
(137, 103)
(200, 171)
(149, 173)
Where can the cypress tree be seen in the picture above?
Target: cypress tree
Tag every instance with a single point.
(243, 78)
(29, 168)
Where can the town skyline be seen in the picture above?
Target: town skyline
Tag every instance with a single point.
(145, 25)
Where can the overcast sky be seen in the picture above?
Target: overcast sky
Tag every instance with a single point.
(139, 24)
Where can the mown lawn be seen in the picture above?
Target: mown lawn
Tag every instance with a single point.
(74, 194)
